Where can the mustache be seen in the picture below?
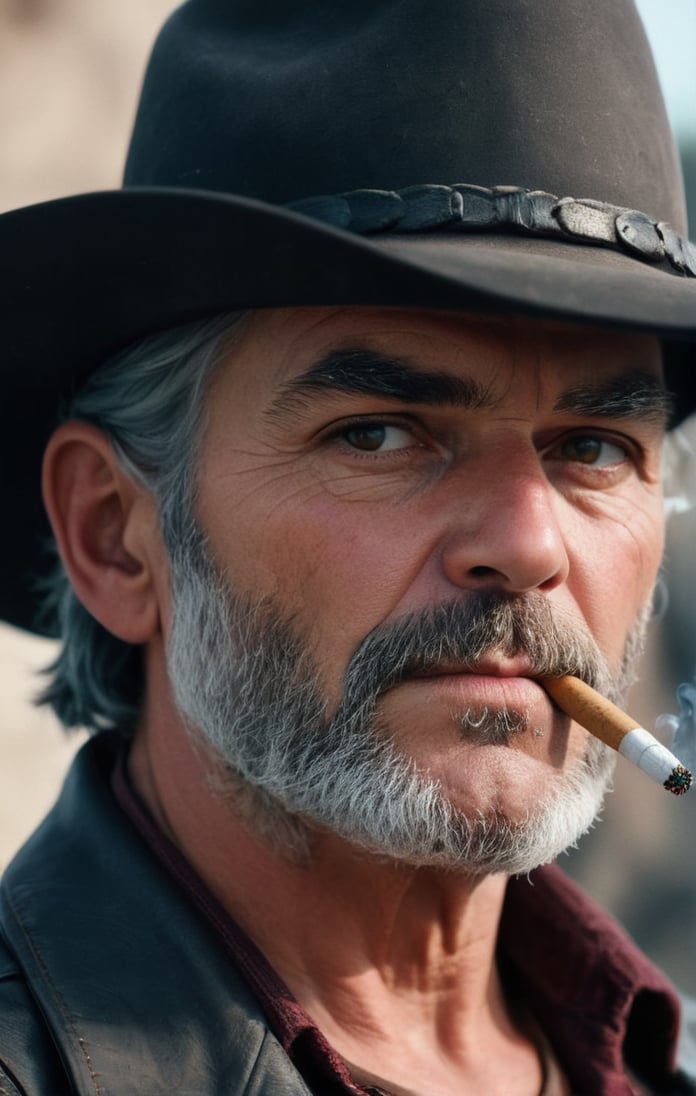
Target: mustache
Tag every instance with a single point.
(464, 632)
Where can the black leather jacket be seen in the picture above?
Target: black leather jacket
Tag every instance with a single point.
(111, 982)
(103, 950)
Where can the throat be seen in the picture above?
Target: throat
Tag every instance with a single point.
(535, 1071)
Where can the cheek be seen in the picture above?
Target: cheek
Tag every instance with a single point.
(614, 564)
(350, 567)
(337, 570)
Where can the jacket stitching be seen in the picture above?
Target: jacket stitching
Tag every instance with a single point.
(57, 995)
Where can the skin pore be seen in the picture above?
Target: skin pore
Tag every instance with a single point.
(358, 466)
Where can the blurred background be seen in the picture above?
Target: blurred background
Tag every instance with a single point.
(70, 72)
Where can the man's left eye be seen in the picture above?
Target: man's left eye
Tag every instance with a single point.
(593, 449)
(377, 437)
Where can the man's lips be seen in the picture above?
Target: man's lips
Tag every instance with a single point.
(496, 683)
(507, 668)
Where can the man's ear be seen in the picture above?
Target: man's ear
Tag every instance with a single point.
(107, 532)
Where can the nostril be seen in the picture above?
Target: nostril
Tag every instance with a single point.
(483, 572)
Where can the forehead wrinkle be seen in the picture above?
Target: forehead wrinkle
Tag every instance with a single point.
(360, 371)
(635, 395)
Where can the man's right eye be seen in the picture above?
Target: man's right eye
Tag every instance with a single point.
(377, 437)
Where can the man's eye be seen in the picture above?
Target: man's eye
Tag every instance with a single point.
(591, 449)
(377, 437)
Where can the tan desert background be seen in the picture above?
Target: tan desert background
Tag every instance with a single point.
(70, 72)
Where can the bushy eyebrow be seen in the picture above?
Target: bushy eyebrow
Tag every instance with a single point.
(359, 371)
(635, 395)
(362, 372)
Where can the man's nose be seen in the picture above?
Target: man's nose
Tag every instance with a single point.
(504, 530)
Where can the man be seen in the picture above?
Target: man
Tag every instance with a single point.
(334, 487)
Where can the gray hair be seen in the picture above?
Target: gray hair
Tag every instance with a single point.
(149, 401)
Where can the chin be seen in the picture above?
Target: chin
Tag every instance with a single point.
(410, 817)
(524, 831)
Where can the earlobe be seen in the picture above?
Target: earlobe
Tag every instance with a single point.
(106, 530)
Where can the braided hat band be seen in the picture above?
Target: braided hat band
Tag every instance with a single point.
(466, 207)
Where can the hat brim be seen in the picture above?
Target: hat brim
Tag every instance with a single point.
(83, 277)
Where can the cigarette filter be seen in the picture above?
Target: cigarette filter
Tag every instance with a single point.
(618, 730)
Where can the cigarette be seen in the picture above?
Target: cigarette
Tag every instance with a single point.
(617, 729)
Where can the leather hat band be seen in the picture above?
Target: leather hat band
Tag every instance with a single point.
(468, 207)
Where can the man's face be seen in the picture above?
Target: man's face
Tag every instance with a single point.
(363, 467)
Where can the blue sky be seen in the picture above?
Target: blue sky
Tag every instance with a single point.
(671, 27)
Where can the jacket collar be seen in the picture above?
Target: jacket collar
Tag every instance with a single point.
(118, 959)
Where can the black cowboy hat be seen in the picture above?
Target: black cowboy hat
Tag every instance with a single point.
(459, 154)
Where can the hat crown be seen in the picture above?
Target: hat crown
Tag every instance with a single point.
(283, 101)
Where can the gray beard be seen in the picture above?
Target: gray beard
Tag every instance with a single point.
(248, 687)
